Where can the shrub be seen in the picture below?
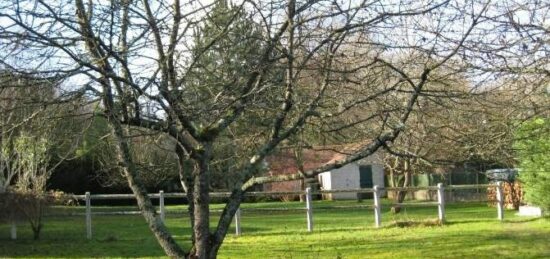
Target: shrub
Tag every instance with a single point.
(30, 206)
(533, 149)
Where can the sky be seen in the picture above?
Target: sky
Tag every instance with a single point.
(418, 31)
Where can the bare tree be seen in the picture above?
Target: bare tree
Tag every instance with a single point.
(444, 131)
(17, 109)
(139, 59)
(28, 116)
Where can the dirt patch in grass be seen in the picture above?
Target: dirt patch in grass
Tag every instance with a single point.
(416, 223)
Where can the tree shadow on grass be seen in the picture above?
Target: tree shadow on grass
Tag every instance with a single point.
(67, 248)
(512, 221)
(486, 245)
(467, 221)
(453, 246)
(526, 219)
(270, 232)
(130, 242)
(466, 244)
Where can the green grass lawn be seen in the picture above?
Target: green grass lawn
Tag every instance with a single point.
(472, 231)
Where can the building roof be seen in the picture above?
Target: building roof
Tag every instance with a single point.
(288, 161)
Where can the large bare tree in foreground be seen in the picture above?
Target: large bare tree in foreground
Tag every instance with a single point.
(347, 64)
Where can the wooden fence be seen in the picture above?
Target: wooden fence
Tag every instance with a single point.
(376, 206)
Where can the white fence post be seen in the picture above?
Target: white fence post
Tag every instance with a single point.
(377, 216)
(238, 222)
(441, 202)
(309, 209)
(161, 205)
(13, 230)
(500, 201)
(88, 216)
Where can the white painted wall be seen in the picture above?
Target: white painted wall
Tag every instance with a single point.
(378, 177)
(324, 179)
(326, 184)
(347, 177)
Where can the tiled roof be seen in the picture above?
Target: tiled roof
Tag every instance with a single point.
(288, 161)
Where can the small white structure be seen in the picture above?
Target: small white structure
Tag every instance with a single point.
(531, 211)
(366, 173)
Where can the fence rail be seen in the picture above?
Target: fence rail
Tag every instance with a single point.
(376, 206)
(255, 194)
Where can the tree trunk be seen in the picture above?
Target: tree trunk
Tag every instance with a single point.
(392, 178)
(225, 220)
(36, 231)
(201, 202)
(228, 213)
(400, 197)
(186, 180)
(163, 236)
(36, 217)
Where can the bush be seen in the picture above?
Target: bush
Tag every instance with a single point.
(30, 206)
(533, 149)
(8, 211)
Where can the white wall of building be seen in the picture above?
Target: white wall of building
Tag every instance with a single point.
(347, 177)
(378, 177)
(324, 179)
